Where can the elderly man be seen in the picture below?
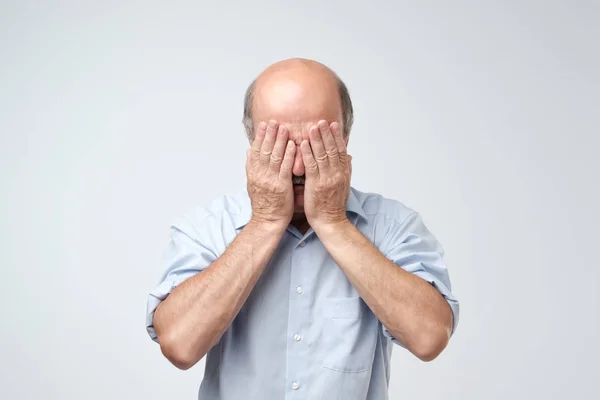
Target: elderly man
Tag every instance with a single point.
(298, 286)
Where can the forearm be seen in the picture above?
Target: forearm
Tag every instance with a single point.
(411, 309)
(199, 310)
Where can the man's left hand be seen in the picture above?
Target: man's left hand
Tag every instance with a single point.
(328, 170)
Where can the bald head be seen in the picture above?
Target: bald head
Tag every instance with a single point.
(297, 93)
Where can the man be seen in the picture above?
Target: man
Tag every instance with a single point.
(297, 287)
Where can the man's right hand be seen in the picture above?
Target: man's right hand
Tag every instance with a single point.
(197, 313)
(269, 174)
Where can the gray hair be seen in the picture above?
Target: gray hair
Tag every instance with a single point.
(345, 102)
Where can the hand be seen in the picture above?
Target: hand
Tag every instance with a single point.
(269, 174)
(328, 170)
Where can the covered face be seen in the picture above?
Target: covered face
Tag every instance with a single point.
(297, 93)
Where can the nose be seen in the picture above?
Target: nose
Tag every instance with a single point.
(298, 168)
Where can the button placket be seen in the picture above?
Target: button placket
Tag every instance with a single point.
(298, 354)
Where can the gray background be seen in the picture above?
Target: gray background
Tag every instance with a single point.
(116, 117)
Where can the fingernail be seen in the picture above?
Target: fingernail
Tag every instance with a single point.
(262, 125)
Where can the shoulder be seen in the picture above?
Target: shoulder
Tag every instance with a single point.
(221, 213)
(379, 208)
(391, 222)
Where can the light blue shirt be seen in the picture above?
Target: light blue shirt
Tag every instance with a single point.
(304, 332)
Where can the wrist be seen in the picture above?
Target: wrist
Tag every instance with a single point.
(271, 226)
(323, 229)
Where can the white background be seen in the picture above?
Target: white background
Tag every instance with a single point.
(116, 117)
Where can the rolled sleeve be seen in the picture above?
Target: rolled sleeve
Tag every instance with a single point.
(185, 256)
(412, 247)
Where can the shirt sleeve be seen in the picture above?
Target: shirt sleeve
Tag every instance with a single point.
(411, 246)
(184, 257)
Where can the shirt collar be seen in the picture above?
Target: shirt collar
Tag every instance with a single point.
(240, 219)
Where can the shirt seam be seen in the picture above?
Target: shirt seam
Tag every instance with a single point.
(399, 224)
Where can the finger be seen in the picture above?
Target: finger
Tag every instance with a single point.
(349, 165)
(259, 137)
(311, 169)
(248, 152)
(329, 143)
(318, 150)
(285, 172)
(339, 139)
(267, 146)
(278, 149)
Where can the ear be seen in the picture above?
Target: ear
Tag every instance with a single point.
(349, 165)
(247, 133)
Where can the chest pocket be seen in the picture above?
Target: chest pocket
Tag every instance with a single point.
(349, 335)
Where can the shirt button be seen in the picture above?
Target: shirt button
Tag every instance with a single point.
(297, 337)
(295, 386)
(302, 243)
(299, 290)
